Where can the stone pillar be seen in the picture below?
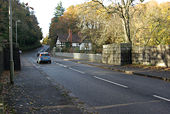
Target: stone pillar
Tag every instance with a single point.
(117, 54)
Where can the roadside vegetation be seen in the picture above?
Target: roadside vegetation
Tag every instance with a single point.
(144, 24)
(29, 33)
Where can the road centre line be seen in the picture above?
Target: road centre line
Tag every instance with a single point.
(32, 59)
(77, 70)
(111, 82)
(61, 65)
(48, 78)
(36, 66)
(159, 97)
(71, 68)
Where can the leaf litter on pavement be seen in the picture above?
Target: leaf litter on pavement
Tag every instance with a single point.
(20, 100)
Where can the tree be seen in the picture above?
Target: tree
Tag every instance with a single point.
(29, 33)
(3, 20)
(59, 10)
(71, 18)
(46, 40)
(142, 24)
(151, 24)
(90, 22)
(122, 8)
(98, 25)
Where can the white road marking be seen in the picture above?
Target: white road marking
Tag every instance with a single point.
(77, 70)
(36, 66)
(34, 60)
(70, 68)
(61, 65)
(165, 99)
(48, 78)
(111, 82)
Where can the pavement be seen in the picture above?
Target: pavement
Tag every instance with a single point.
(33, 93)
(139, 70)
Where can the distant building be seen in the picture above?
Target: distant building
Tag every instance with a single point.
(86, 44)
(74, 40)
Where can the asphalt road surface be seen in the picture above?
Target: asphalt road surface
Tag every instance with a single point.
(106, 91)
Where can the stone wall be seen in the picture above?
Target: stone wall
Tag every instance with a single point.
(117, 54)
(81, 56)
(1, 60)
(121, 54)
(159, 56)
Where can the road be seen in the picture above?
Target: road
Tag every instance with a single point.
(106, 91)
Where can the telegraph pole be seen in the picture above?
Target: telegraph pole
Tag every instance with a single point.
(11, 44)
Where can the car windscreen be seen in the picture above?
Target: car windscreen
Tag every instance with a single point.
(45, 55)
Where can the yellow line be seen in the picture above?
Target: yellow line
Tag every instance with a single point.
(127, 104)
(58, 106)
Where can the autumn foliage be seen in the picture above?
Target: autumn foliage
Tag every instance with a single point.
(149, 23)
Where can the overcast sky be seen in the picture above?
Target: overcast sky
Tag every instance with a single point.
(44, 10)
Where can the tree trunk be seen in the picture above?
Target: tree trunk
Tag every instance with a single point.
(126, 30)
(126, 19)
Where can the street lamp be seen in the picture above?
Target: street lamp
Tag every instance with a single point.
(16, 31)
(11, 44)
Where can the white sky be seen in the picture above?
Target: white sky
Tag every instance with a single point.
(44, 10)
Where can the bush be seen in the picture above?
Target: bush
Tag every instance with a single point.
(64, 49)
(29, 48)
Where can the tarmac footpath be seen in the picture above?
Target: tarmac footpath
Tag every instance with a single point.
(33, 93)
